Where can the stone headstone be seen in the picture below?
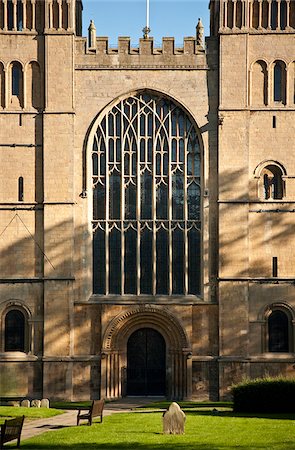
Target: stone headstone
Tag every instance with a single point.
(25, 403)
(35, 403)
(44, 403)
(173, 420)
(12, 403)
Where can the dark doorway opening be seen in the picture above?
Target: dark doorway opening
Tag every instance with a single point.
(146, 363)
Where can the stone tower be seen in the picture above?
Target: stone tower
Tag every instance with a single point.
(256, 187)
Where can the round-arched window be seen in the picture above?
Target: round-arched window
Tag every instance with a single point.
(146, 173)
(278, 332)
(15, 331)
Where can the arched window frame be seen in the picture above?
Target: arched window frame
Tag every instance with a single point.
(88, 162)
(279, 75)
(270, 188)
(17, 84)
(289, 312)
(265, 88)
(16, 306)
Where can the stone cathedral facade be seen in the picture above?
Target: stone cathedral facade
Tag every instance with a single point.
(147, 204)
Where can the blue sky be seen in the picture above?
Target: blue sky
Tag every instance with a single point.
(115, 18)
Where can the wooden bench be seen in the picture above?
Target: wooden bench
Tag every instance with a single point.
(10, 430)
(95, 410)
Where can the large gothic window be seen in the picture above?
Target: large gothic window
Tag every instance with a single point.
(146, 199)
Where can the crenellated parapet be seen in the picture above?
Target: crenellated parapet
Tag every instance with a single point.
(96, 51)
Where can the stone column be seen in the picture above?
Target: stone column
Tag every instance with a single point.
(59, 2)
(5, 15)
(279, 15)
(288, 14)
(225, 14)
(269, 15)
(33, 15)
(14, 15)
(250, 14)
(24, 6)
(234, 13)
(260, 15)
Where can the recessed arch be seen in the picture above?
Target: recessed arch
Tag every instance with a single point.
(277, 327)
(123, 325)
(114, 350)
(259, 83)
(271, 180)
(15, 327)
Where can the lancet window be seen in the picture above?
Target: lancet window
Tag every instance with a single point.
(146, 173)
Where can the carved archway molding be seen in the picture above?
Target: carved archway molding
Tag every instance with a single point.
(114, 350)
(124, 324)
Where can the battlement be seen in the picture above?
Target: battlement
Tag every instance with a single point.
(97, 51)
(100, 52)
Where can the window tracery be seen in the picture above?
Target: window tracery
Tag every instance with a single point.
(146, 169)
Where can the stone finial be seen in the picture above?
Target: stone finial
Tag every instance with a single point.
(25, 403)
(200, 33)
(92, 36)
(35, 403)
(173, 420)
(44, 403)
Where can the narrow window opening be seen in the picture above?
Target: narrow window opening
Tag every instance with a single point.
(279, 86)
(10, 15)
(19, 15)
(16, 80)
(278, 332)
(20, 189)
(20, 120)
(273, 184)
(274, 122)
(274, 266)
(15, 331)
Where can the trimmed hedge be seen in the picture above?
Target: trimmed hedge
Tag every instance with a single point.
(271, 395)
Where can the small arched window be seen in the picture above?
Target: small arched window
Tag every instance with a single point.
(15, 328)
(273, 184)
(279, 82)
(278, 332)
(259, 84)
(16, 84)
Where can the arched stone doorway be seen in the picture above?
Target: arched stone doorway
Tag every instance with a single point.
(146, 363)
(114, 359)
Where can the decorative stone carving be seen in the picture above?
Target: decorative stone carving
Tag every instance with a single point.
(200, 33)
(35, 403)
(173, 420)
(25, 403)
(44, 403)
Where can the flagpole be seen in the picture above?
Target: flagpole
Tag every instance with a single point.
(147, 29)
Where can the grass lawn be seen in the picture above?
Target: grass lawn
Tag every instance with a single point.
(204, 431)
(7, 412)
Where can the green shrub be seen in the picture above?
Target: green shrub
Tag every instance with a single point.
(271, 395)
